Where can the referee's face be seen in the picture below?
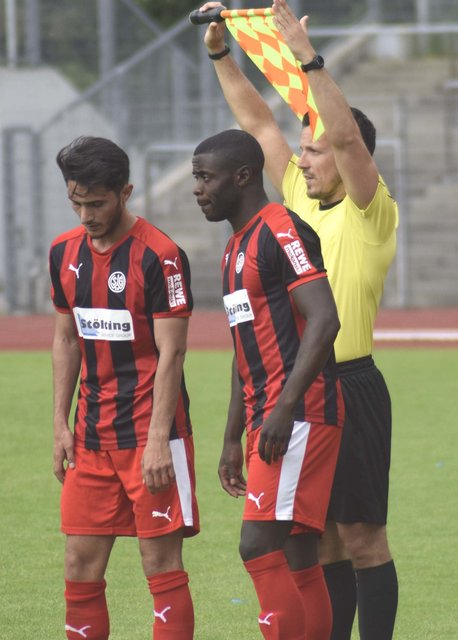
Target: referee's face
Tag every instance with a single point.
(100, 210)
(319, 169)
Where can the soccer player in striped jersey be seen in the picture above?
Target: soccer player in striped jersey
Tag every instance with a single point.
(335, 186)
(121, 289)
(285, 390)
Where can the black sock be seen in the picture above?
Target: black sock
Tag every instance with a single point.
(341, 582)
(377, 601)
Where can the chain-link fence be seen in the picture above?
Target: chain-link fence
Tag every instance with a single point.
(155, 94)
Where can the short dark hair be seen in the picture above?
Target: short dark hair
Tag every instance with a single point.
(365, 125)
(92, 161)
(236, 148)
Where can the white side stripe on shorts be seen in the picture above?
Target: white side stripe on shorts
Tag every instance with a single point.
(290, 471)
(180, 465)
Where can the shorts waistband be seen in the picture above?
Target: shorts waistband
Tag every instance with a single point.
(356, 365)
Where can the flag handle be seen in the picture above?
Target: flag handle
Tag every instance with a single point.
(219, 14)
(204, 17)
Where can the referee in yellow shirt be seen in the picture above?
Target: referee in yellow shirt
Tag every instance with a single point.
(335, 186)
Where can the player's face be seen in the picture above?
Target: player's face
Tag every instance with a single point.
(100, 211)
(319, 169)
(214, 188)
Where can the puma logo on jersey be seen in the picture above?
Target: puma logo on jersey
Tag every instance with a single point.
(265, 620)
(75, 269)
(255, 499)
(285, 235)
(159, 514)
(80, 632)
(172, 263)
(161, 614)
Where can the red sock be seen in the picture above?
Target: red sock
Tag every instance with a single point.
(282, 612)
(87, 613)
(173, 608)
(317, 604)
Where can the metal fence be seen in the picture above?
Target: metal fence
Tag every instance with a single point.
(155, 94)
(86, 39)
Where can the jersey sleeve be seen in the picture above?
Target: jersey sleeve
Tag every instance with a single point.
(380, 219)
(58, 297)
(293, 248)
(168, 283)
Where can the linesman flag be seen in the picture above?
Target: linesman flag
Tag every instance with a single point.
(256, 33)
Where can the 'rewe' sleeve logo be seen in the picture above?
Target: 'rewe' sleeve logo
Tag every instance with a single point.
(297, 257)
(177, 296)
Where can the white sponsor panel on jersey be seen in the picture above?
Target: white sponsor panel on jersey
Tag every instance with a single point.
(176, 291)
(104, 324)
(238, 307)
(297, 257)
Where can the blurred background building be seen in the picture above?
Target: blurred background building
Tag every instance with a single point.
(106, 67)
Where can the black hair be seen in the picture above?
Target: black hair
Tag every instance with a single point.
(366, 127)
(91, 161)
(234, 148)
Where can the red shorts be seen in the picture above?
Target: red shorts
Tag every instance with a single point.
(104, 495)
(297, 486)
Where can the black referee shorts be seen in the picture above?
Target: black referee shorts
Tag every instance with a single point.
(360, 489)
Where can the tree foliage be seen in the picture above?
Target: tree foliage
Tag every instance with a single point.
(167, 12)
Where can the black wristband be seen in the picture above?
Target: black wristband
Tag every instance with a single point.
(316, 63)
(221, 54)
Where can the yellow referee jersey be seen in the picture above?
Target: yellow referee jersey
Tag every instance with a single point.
(358, 247)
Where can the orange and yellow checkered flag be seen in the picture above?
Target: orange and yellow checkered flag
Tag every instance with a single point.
(256, 33)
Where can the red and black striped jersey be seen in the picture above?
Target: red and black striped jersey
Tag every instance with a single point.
(114, 296)
(275, 252)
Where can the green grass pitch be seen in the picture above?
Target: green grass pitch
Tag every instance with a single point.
(423, 519)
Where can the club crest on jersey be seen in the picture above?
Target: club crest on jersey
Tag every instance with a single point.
(240, 262)
(238, 307)
(104, 324)
(117, 282)
(176, 291)
(297, 257)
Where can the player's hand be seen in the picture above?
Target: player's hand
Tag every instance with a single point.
(63, 451)
(214, 35)
(293, 31)
(157, 465)
(230, 469)
(275, 436)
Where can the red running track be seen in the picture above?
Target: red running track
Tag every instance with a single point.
(209, 330)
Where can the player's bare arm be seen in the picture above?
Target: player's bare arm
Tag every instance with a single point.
(354, 162)
(315, 302)
(157, 465)
(247, 105)
(230, 469)
(66, 362)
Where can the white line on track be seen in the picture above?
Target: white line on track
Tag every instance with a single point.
(409, 335)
